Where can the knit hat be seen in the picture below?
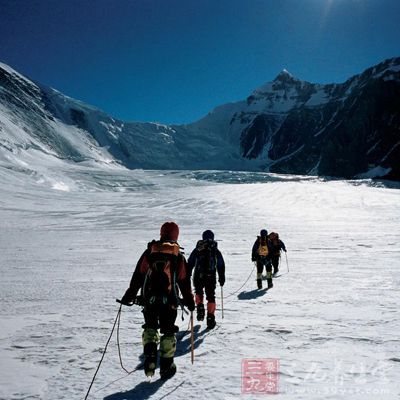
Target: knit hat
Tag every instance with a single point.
(208, 235)
(169, 231)
(263, 233)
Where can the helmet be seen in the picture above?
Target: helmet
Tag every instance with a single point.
(169, 231)
(208, 235)
(263, 233)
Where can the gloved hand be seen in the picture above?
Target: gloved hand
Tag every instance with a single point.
(139, 300)
(284, 250)
(190, 304)
(221, 281)
(125, 301)
(253, 259)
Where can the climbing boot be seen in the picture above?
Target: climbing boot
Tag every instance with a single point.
(211, 321)
(167, 367)
(200, 312)
(150, 359)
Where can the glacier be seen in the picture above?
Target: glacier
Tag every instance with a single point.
(68, 246)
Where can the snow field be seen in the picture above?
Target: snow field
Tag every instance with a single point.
(332, 322)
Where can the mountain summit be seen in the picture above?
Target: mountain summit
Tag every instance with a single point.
(284, 76)
(286, 126)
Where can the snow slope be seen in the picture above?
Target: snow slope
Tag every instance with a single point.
(69, 242)
(34, 116)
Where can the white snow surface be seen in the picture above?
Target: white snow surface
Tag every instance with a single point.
(319, 97)
(376, 171)
(332, 321)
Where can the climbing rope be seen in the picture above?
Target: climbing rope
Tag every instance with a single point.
(119, 347)
(104, 352)
(116, 322)
(236, 291)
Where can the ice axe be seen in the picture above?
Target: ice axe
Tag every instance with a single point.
(222, 302)
(287, 262)
(191, 337)
(138, 300)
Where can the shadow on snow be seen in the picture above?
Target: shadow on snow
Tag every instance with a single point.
(184, 339)
(143, 390)
(253, 294)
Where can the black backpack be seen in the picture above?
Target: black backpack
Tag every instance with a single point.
(207, 257)
(160, 282)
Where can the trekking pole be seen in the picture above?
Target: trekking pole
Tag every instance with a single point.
(191, 337)
(222, 302)
(104, 351)
(287, 262)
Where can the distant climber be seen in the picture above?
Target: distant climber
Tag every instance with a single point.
(261, 254)
(277, 245)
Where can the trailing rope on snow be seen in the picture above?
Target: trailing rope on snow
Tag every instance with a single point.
(116, 322)
(119, 348)
(236, 291)
(114, 381)
(104, 352)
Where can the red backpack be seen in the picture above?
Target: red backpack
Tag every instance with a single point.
(274, 239)
(160, 281)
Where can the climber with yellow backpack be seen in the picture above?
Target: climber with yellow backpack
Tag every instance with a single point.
(261, 254)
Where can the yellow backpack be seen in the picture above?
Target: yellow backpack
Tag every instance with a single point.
(263, 248)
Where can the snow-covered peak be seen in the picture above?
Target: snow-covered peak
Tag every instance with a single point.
(284, 75)
(283, 78)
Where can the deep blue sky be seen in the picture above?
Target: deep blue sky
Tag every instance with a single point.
(175, 60)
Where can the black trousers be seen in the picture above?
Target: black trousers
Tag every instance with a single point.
(160, 316)
(275, 261)
(208, 284)
(261, 262)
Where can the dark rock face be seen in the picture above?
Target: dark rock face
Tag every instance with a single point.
(356, 130)
(367, 133)
(256, 135)
(78, 118)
